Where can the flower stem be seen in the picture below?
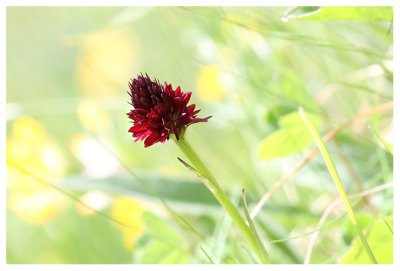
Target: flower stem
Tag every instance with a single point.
(212, 184)
(335, 176)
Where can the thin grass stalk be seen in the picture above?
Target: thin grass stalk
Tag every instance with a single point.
(335, 176)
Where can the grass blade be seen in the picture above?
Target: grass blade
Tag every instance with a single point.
(253, 230)
(335, 176)
(388, 146)
(387, 224)
(206, 254)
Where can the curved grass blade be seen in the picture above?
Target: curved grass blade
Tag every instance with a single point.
(335, 176)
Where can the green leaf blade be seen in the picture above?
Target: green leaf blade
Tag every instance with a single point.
(339, 13)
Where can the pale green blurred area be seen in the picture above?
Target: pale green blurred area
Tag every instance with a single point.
(67, 76)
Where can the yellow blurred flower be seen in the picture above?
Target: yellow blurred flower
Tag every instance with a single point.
(93, 116)
(129, 211)
(27, 128)
(27, 136)
(106, 59)
(29, 146)
(36, 206)
(209, 84)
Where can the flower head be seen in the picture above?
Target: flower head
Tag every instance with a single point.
(159, 110)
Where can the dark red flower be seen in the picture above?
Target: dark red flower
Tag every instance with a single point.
(159, 110)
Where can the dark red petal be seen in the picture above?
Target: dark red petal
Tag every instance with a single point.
(168, 88)
(190, 108)
(151, 139)
(186, 96)
(136, 129)
(175, 131)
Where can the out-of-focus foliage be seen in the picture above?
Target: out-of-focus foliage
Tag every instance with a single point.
(292, 137)
(79, 190)
(381, 241)
(162, 244)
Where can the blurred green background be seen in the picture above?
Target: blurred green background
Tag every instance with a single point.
(79, 190)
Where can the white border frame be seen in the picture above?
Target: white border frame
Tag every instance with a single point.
(396, 125)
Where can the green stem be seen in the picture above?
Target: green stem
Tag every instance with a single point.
(219, 194)
(335, 176)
